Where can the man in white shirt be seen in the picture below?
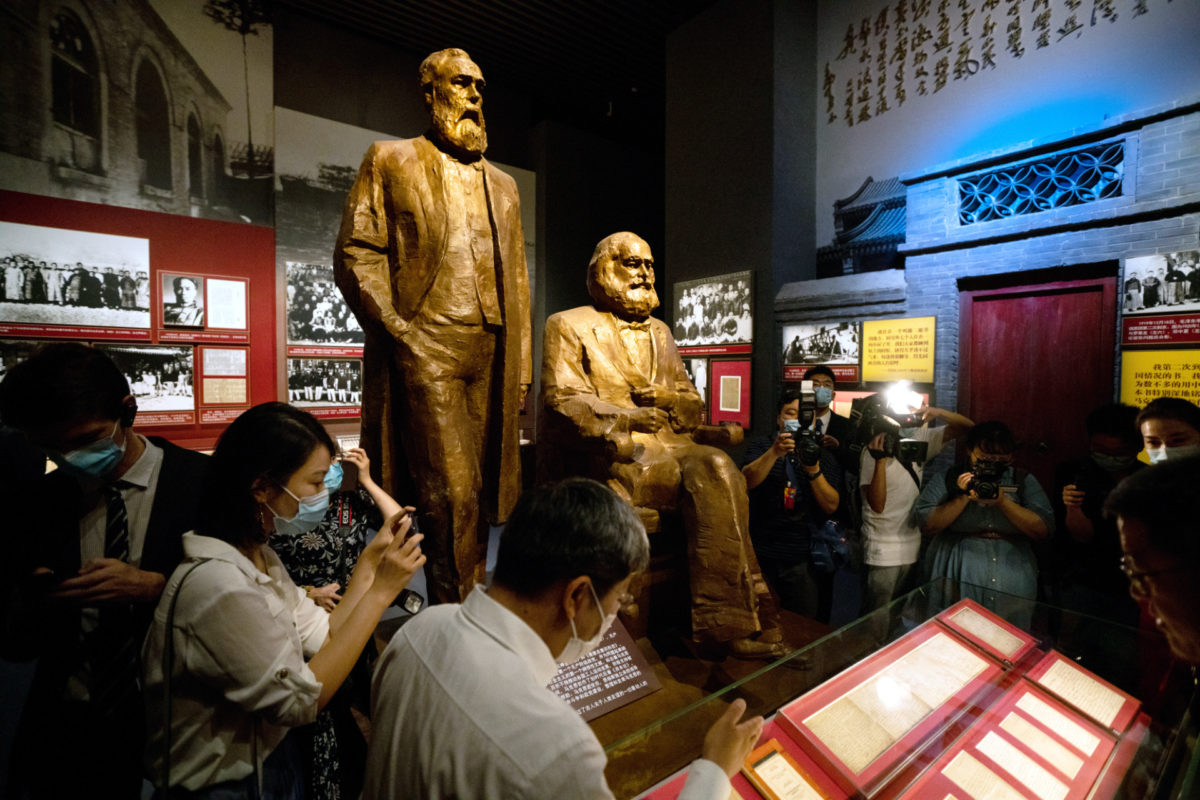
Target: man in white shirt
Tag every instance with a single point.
(461, 707)
(891, 539)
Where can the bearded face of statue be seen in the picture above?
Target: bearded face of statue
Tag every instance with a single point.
(455, 99)
(623, 281)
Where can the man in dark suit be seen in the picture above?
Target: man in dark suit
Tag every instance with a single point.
(97, 511)
(833, 429)
(431, 259)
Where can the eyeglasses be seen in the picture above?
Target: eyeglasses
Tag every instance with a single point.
(1138, 583)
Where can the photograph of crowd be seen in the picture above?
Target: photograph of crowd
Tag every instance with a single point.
(714, 311)
(827, 343)
(316, 312)
(160, 377)
(183, 300)
(51, 276)
(324, 382)
(1162, 283)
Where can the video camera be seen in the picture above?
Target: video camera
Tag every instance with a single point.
(871, 416)
(806, 444)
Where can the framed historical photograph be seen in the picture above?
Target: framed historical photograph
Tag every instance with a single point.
(68, 279)
(317, 383)
(316, 312)
(182, 300)
(161, 379)
(821, 343)
(730, 392)
(716, 312)
(1161, 284)
(225, 303)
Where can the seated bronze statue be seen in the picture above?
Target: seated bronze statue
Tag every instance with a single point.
(620, 408)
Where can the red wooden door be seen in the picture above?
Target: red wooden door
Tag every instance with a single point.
(1038, 357)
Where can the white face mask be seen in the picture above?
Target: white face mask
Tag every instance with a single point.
(578, 648)
(1159, 454)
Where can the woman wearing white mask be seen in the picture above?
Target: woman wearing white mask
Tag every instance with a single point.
(237, 655)
(1170, 429)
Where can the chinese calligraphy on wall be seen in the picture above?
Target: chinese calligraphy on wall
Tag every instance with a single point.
(914, 48)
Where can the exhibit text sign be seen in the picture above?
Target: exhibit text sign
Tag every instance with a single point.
(899, 349)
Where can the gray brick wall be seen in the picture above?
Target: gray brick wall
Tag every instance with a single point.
(1159, 212)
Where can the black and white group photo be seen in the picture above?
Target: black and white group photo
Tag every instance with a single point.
(714, 311)
(1162, 283)
(828, 343)
(160, 377)
(52, 276)
(324, 382)
(316, 311)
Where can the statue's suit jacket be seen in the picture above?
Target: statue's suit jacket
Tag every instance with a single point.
(587, 382)
(390, 247)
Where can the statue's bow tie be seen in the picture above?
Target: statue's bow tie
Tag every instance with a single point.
(633, 326)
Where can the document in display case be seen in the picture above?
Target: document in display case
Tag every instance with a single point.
(995, 635)
(865, 723)
(1084, 690)
(1027, 747)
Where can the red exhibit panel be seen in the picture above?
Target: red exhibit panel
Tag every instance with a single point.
(729, 393)
(1085, 691)
(224, 269)
(1001, 639)
(876, 718)
(1029, 746)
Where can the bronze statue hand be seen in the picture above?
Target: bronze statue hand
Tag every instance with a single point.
(655, 396)
(647, 420)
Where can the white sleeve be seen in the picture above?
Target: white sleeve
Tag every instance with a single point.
(312, 623)
(705, 781)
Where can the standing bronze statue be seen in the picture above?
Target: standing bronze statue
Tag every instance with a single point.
(619, 407)
(431, 259)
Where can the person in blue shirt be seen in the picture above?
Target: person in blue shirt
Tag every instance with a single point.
(979, 539)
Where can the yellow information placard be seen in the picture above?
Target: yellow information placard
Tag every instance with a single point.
(899, 349)
(1147, 374)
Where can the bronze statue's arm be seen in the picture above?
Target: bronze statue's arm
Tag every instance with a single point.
(568, 390)
(688, 411)
(360, 257)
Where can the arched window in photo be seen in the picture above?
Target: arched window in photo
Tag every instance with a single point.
(75, 89)
(195, 153)
(153, 127)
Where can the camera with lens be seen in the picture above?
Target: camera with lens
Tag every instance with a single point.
(985, 479)
(870, 416)
(806, 444)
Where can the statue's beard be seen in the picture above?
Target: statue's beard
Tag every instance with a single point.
(630, 302)
(458, 127)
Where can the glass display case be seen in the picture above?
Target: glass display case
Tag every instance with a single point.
(938, 695)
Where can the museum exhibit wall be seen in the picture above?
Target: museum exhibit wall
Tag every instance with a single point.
(1083, 66)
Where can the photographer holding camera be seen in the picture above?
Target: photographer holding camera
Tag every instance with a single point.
(792, 484)
(890, 481)
(985, 515)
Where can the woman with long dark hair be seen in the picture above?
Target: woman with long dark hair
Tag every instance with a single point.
(237, 655)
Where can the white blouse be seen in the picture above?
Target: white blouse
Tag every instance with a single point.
(239, 680)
